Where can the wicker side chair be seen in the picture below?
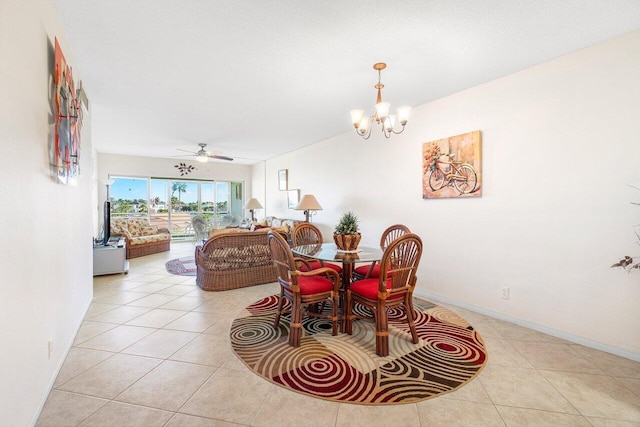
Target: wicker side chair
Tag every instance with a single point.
(302, 288)
(372, 270)
(200, 228)
(393, 288)
(306, 233)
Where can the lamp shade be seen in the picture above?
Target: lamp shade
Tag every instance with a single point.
(308, 203)
(253, 203)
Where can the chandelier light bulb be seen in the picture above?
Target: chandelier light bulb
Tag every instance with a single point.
(356, 116)
(363, 126)
(403, 114)
(382, 110)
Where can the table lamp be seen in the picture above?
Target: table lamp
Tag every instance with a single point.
(252, 205)
(307, 204)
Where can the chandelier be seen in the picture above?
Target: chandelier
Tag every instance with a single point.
(382, 117)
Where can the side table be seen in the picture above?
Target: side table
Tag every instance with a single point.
(110, 259)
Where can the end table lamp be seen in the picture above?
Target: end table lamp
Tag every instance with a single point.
(252, 205)
(308, 204)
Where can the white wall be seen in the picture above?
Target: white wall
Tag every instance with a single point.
(46, 258)
(560, 147)
(258, 188)
(115, 164)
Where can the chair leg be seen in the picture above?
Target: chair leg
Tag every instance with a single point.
(334, 313)
(279, 311)
(408, 307)
(382, 329)
(295, 327)
(322, 304)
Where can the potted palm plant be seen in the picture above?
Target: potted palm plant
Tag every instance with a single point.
(347, 232)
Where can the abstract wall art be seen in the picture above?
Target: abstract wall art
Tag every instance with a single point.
(68, 122)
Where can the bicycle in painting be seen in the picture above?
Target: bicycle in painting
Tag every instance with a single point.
(443, 173)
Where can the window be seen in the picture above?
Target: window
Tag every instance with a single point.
(223, 197)
(171, 203)
(129, 196)
(207, 197)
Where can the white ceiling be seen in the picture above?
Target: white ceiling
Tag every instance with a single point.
(255, 79)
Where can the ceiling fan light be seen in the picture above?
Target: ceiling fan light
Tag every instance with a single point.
(202, 158)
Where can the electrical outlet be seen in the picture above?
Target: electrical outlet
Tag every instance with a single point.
(50, 347)
(504, 292)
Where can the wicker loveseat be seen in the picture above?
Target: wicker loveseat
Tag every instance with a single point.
(231, 260)
(282, 225)
(141, 237)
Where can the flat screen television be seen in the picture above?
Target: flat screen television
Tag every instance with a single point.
(107, 222)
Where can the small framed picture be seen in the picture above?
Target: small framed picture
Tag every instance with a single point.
(293, 197)
(283, 184)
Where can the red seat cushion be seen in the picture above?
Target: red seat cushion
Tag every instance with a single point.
(317, 264)
(364, 269)
(368, 288)
(335, 267)
(314, 285)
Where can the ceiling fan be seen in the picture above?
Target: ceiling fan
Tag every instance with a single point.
(203, 155)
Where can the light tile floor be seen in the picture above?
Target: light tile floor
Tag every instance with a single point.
(154, 350)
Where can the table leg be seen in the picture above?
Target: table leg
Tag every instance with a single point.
(347, 274)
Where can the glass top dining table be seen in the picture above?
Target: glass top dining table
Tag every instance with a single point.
(330, 252)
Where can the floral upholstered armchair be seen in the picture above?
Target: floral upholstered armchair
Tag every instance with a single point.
(141, 237)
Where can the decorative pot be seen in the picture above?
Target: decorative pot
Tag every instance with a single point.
(347, 242)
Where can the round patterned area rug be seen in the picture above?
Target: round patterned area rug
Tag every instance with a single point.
(345, 368)
(182, 266)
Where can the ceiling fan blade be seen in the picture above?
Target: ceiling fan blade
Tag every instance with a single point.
(215, 156)
(184, 155)
(186, 151)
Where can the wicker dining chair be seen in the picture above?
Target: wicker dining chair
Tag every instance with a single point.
(372, 270)
(393, 288)
(306, 233)
(302, 288)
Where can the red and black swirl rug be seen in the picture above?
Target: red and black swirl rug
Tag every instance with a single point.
(345, 368)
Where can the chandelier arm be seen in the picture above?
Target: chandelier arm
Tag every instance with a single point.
(385, 132)
(401, 130)
(367, 134)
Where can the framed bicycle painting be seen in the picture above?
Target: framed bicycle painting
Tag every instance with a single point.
(452, 167)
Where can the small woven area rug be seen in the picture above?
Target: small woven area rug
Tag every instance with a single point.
(345, 368)
(182, 266)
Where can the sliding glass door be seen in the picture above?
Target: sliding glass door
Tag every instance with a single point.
(172, 203)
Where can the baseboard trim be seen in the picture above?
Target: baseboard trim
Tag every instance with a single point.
(67, 348)
(531, 325)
